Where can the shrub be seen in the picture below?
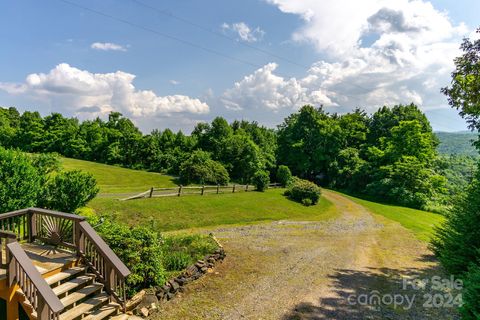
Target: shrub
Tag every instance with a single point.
(199, 168)
(457, 242)
(471, 294)
(180, 251)
(261, 179)
(307, 202)
(139, 248)
(20, 181)
(284, 176)
(176, 261)
(304, 191)
(69, 190)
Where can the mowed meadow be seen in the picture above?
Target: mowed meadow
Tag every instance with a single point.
(195, 211)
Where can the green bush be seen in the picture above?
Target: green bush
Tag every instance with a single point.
(284, 175)
(182, 250)
(199, 168)
(471, 294)
(307, 202)
(261, 179)
(176, 261)
(139, 248)
(20, 181)
(69, 190)
(304, 191)
(457, 241)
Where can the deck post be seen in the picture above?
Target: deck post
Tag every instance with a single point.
(31, 225)
(42, 312)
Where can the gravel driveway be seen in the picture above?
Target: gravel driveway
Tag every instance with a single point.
(313, 270)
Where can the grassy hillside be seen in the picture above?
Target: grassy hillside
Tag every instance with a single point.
(112, 179)
(174, 213)
(421, 223)
(457, 143)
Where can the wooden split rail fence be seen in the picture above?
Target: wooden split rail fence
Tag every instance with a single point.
(196, 190)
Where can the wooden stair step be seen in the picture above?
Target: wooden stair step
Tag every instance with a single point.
(122, 316)
(81, 294)
(103, 312)
(85, 306)
(72, 284)
(64, 275)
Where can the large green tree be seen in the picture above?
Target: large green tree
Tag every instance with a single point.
(464, 90)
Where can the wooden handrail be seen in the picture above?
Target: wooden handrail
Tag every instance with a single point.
(104, 249)
(98, 256)
(59, 214)
(72, 231)
(41, 296)
(7, 235)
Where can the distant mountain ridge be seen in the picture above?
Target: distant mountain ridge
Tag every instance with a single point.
(457, 143)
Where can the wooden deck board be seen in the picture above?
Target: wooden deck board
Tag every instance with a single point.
(44, 257)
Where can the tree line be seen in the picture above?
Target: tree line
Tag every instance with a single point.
(389, 155)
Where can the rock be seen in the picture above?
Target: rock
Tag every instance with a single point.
(204, 269)
(170, 295)
(180, 281)
(144, 312)
(175, 286)
(148, 299)
(165, 288)
(135, 301)
(200, 263)
(191, 270)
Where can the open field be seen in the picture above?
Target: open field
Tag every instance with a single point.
(174, 213)
(112, 179)
(421, 223)
(196, 211)
(285, 260)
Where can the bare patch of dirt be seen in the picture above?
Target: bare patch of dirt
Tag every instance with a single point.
(308, 270)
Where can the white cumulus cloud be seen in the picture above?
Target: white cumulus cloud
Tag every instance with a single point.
(244, 32)
(377, 52)
(74, 91)
(107, 46)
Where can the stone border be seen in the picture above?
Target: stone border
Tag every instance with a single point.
(146, 301)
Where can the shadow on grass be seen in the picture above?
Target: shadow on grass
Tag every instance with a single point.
(371, 294)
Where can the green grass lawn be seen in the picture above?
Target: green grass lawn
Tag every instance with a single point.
(174, 213)
(421, 223)
(112, 179)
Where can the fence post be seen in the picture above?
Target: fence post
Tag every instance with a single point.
(203, 190)
(179, 190)
(233, 190)
(246, 187)
(151, 192)
(218, 187)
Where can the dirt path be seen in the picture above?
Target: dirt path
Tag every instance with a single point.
(312, 270)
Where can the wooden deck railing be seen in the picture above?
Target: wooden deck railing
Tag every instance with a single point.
(6, 237)
(22, 272)
(59, 229)
(110, 270)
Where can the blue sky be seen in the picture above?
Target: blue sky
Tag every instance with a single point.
(58, 57)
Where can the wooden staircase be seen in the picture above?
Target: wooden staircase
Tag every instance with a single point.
(82, 297)
(94, 290)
